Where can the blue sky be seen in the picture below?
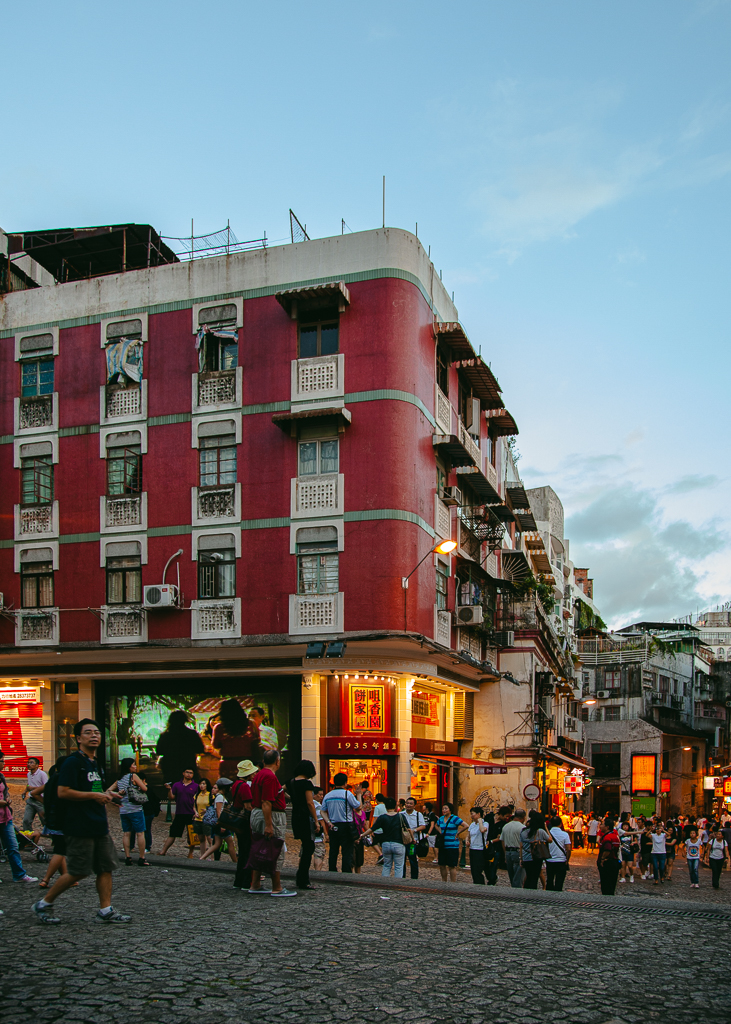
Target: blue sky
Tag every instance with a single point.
(568, 163)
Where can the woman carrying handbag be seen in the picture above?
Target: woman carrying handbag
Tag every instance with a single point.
(391, 830)
(534, 840)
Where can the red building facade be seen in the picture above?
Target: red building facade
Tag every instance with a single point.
(278, 437)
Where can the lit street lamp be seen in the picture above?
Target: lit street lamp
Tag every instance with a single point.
(443, 548)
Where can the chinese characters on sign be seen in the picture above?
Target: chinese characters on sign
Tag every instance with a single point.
(643, 773)
(348, 746)
(367, 708)
(424, 708)
(664, 785)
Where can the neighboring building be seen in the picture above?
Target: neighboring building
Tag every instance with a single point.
(218, 473)
(640, 691)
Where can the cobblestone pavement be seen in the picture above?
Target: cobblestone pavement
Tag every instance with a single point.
(362, 950)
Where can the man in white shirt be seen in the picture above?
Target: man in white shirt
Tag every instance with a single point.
(510, 838)
(417, 824)
(36, 777)
(267, 733)
(337, 809)
(559, 852)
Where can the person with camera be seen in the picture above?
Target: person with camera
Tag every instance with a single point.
(417, 823)
(338, 807)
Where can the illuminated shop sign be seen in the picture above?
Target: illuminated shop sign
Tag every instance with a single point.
(643, 773)
(367, 704)
(425, 708)
(20, 695)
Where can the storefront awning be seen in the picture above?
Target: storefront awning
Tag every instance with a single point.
(575, 762)
(468, 762)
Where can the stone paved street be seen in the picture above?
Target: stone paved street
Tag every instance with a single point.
(197, 950)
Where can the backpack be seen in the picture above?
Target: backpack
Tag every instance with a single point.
(53, 806)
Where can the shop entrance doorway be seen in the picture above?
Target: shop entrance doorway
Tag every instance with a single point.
(374, 771)
(606, 800)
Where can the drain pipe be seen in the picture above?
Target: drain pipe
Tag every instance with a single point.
(177, 553)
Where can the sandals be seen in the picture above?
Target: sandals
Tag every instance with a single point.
(142, 863)
(128, 861)
(43, 885)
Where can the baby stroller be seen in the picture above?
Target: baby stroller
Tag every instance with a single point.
(26, 842)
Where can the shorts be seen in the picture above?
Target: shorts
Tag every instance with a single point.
(134, 822)
(179, 825)
(319, 852)
(90, 855)
(448, 858)
(201, 829)
(279, 821)
(432, 841)
(627, 858)
(670, 853)
(58, 845)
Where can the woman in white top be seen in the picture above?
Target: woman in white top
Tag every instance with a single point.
(559, 852)
(659, 853)
(477, 842)
(717, 853)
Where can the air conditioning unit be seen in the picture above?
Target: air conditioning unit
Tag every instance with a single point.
(469, 614)
(504, 638)
(602, 694)
(451, 496)
(163, 596)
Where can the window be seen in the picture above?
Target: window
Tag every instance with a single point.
(442, 370)
(36, 475)
(605, 757)
(317, 564)
(124, 470)
(124, 579)
(490, 449)
(664, 684)
(613, 679)
(612, 714)
(318, 457)
(442, 578)
(216, 573)
(318, 339)
(666, 760)
(693, 790)
(584, 714)
(36, 584)
(36, 378)
(218, 460)
(694, 761)
(219, 350)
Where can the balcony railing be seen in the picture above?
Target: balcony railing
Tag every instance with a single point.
(442, 411)
(211, 620)
(317, 495)
(315, 613)
(37, 626)
(217, 503)
(442, 519)
(216, 387)
(123, 512)
(467, 442)
(443, 627)
(38, 519)
(36, 412)
(124, 625)
(123, 401)
(319, 379)
(468, 542)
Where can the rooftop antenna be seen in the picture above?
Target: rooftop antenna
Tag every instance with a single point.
(384, 200)
(296, 230)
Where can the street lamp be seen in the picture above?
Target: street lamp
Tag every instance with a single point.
(443, 548)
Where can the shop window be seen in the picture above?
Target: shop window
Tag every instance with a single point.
(216, 573)
(217, 460)
(124, 579)
(36, 378)
(317, 458)
(124, 470)
(318, 338)
(317, 561)
(613, 679)
(612, 714)
(605, 757)
(442, 583)
(36, 475)
(36, 584)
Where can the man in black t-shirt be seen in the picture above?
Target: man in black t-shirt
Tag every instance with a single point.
(89, 847)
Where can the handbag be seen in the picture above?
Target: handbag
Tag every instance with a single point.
(232, 817)
(193, 838)
(407, 836)
(264, 853)
(539, 849)
(135, 794)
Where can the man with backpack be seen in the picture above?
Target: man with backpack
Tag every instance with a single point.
(89, 847)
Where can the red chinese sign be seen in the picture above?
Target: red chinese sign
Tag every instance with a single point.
(643, 773)
(350, 746)
(367, 708)
(424, 708)
(664, 785)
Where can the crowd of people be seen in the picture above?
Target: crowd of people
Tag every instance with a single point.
(245, 817)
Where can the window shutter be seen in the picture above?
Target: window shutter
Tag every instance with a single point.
(464, 715)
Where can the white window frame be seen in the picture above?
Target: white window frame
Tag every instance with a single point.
(118, 428)
(47, 438)
(114, 538)
(20, 356)
(215, 532)
(216, 417)
(34, 546)
(301, 524)
(238, 301)
(127, 317)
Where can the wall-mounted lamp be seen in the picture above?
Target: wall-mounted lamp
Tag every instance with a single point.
(443, 548)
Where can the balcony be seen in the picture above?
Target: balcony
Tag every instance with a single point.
(123, 625)
(467, 442)
(315, 496)
(215, 620)
(36, 521)
(315, 614)
(442, 518)
(217, 390)
(318, 383)
(442, 411)
(469, 544)
(468, 642)
(39, 413)
(443, 626)
(124, 513)
(213, 506)
(37, 627)
(122, 403)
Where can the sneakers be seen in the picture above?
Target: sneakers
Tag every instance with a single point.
(259, 892)
(631, 879)
(623, 879)
(27, 878)
(113, 917)
(283, 892)
(45, 914)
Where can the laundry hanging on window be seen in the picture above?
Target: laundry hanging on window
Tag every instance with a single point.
(231, 336)
(124, 359)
